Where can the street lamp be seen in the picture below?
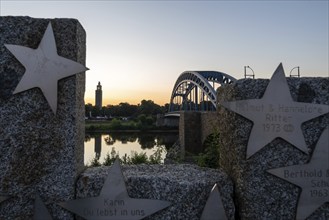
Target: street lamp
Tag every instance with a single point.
(298, 73)
(245, 72)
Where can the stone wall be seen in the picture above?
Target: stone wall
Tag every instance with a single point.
(208, 124)
(258, 194)
(40, 152)
(186, 187)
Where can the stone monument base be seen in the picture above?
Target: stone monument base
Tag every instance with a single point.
(259, 194)
(41, 152)
(187, 187)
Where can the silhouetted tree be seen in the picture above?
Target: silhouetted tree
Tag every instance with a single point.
(124, 109)
(148, 107)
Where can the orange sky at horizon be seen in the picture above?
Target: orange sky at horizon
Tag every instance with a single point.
(159, 98)
(131, 101)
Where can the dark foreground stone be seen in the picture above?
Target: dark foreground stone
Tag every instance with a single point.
(187, 187)
(40, 152)
(258, 194)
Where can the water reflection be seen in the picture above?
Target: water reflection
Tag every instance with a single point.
(146, 140)
(98, 144)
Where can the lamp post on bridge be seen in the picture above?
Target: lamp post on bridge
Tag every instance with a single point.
(298, 71)
(245, 72)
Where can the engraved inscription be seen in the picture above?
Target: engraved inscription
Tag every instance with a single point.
(318, 181)
(280, 108)
(320, 188)
(112, 208)
(278, 117)
(312, 178)
(247, 107)
(277, 123)
(114, 201)
(300, 109)
(108, 202)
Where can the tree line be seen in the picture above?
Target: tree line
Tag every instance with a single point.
(126, 110)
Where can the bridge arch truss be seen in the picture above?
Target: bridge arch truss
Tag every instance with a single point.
(196, 90)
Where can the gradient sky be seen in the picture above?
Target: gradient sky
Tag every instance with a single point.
(137, 49)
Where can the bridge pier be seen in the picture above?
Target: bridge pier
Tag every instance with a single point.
(194, 128)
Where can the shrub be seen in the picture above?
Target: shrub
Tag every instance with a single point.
(95, 162)
(115, 124)
(156, 157)
(210, 157)
(135, 158)
(110, 157)
(139, 158)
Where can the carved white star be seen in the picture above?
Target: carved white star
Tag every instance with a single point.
(43, 67)
(276, 115)
(114, 201)
(214, 207)
(313, 178)
(40, 210)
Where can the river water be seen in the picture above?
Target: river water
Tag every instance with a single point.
(99, 144)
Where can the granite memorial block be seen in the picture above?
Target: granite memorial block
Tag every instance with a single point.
(312, 178)
(214, 209)
(185, 186)
(42, 85)
(276, 114)
(114, 202)
(296, 110)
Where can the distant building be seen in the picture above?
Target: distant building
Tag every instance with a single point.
(99, 96)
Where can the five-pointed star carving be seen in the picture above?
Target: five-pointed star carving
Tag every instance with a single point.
(312, 177)
(44, 67)
(276, 115)
(114, 201)
(214, 207)
(40, 210)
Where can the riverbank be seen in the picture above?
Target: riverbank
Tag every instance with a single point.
(125, 126)
(133, 131)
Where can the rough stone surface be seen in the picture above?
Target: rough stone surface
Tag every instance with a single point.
(40, 152)
(173, 155)
(194, 128)
(258, 194)
(187, 187)
(208, 125)
(190, 138)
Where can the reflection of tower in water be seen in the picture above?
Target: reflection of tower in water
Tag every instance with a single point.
(98, 146)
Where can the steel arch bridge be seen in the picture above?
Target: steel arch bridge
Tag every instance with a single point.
(196, 91)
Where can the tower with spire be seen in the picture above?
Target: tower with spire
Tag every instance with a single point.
(99, 96)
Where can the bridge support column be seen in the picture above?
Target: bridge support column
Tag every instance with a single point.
(190, 133)
(194, 128)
